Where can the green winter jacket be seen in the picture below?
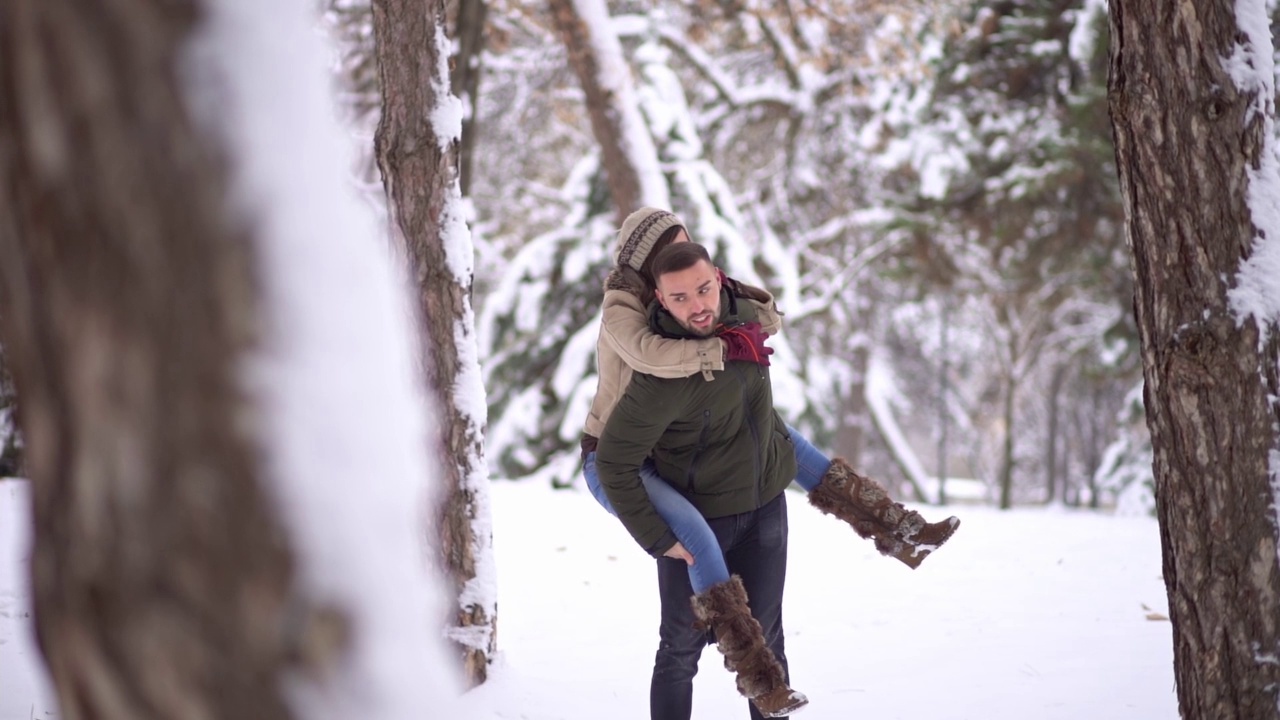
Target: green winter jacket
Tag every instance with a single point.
(719, 442)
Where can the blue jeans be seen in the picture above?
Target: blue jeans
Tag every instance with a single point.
(755, 547)
(687, 524)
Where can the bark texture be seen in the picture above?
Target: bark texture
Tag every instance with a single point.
(161, 577)
(602, 106)
(1185, 140)
(420, 174)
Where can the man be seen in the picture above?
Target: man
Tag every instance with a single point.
(721, 445)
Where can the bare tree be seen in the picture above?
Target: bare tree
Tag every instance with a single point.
(161, 574)
(596, 58)
(419, 164)
(1194, 139)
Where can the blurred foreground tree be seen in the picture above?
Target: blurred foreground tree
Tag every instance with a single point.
(128, 296)
(178, 307)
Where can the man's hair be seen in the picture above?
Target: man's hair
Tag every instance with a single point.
(679, 256)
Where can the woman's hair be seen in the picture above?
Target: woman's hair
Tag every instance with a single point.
(663, 242)
(677, 257)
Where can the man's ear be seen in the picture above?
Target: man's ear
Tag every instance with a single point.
(661, 300)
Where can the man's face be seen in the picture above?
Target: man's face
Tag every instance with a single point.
(692, 296)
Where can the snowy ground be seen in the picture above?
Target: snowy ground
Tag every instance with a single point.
(1027, 614)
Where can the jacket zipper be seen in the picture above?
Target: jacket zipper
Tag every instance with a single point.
(702, 445)
(755, 433)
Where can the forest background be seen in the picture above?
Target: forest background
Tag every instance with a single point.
(929, 188)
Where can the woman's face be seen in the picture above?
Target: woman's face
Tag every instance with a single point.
(681, 236)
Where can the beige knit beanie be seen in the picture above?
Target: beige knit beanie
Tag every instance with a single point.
(639, 232)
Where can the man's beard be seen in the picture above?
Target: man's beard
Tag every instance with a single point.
(708, 331)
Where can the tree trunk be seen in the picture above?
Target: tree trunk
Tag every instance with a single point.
(1007, 458)
(419, 165)
(10, 438)
(470, 24)
(851, 430)
(161, 577)
(603, 105)
(1187, 141)
(1054, 432)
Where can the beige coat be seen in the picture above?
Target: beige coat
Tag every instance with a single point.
(627, 345)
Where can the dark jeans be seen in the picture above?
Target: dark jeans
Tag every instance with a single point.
(755, 548)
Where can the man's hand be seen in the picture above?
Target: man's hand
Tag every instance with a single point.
(678, 552)
(746, 342)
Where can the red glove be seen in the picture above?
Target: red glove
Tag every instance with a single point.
(746, 342)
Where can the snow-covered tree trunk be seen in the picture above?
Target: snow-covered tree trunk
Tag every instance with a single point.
(417, 152)
(1191, 94)
(627, 152)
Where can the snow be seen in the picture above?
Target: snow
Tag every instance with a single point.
(1084, 39)
(341, 403)
(447, 115)
(1256, 293)
(25, 691)
(1023, 614)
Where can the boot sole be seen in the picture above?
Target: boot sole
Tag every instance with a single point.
(798, 700)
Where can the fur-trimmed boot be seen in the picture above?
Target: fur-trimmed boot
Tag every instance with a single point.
(723, 608)
(867, 508)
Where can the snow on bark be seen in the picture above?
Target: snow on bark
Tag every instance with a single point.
(343, 415)
(1252, 66)
(1256, 293)
(469, 393)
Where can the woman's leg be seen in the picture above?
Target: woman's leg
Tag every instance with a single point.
(835, 488)
(690, 528)
(688, 525)
(593, 483)
(811, 464)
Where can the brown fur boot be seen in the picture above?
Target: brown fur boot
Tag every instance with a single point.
(723, 607)
(867, 508)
